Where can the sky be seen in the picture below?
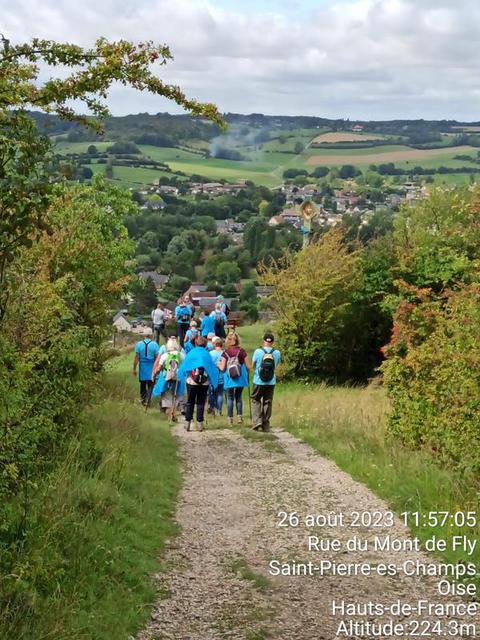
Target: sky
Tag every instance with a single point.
(357, 59)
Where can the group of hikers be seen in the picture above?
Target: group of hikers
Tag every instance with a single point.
(200, 365)
(214, 322)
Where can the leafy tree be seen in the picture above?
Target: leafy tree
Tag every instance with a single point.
(124, 147)
(248, 293)
(320, 172)
(438, 240)
(347, 171)
(314, 301)
(145, 296)
(86, 173)
(227, 273)
(175, 287)
(298, 147)
(25, 156)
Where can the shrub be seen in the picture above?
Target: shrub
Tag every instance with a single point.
(313, 300)
(433, 376)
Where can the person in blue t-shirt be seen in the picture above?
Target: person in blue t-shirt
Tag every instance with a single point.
(145, 353)
(207, 325)
(219, 321)
(191, 336)
(265, 362)
(183, 315)
(215, 396)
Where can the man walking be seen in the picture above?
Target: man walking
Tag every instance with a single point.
(265, 361)
(183, 315)
(158, 321)
(145, 353)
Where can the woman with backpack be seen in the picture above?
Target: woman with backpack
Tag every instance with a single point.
(236, 366)
(200, 372)
(168, 384)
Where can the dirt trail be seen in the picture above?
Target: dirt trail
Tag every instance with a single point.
(217, 584)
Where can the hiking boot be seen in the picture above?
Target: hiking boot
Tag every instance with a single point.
(239, 419)
(187, 426)
(199, 426)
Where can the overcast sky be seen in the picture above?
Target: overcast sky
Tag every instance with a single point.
(365, 59)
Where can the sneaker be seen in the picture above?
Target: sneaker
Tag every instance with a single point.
(239, 419)
(257, 427)
(230, 422)
(199, 426)
(187, 426)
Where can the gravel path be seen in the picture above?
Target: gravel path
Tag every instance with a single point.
(217, 584)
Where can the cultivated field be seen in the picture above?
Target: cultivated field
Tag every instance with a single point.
(469, 129)
(389, 154)
(266, 164)
(345, 136)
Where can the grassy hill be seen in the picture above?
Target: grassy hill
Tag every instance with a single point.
(266, 148)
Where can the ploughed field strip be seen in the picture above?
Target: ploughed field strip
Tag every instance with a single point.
(217, 583)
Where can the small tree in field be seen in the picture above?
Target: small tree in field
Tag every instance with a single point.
(314, 301)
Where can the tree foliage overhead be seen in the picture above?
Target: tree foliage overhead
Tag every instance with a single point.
(25, 173)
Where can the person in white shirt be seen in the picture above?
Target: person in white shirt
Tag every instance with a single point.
(158, 321)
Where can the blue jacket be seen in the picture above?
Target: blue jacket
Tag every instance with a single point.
(183, 313)
(241, 381)
(207, 326)
(199, 357)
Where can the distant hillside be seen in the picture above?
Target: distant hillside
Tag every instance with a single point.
(160, 130)
(166, 130)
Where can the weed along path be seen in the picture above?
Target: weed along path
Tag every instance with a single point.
(232, 570)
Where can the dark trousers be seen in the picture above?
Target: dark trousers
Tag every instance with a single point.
(196, 395)
(158, 330)
(215, 397)
(145, 388)
(234, 395)
(262, 398)
(181, 331)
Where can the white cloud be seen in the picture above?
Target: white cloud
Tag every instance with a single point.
(357, 58)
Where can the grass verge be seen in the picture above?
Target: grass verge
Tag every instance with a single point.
(348, 425)
(98, 525)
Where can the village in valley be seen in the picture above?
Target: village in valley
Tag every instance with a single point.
(215, 205)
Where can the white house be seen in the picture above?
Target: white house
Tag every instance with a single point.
(121, 323)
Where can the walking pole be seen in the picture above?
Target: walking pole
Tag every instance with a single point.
(149, 398)
(174, 406)
(250, 402)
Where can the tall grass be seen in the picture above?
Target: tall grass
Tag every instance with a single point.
(97, 526)
(348, 425)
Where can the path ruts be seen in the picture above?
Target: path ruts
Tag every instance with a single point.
(217, 586)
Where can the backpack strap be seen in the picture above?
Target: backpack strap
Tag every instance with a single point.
(146, 346)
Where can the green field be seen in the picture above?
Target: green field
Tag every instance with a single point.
(267, 164)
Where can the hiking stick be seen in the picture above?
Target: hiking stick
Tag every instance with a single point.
(174, 405)
(250, 401)
(149, 398)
